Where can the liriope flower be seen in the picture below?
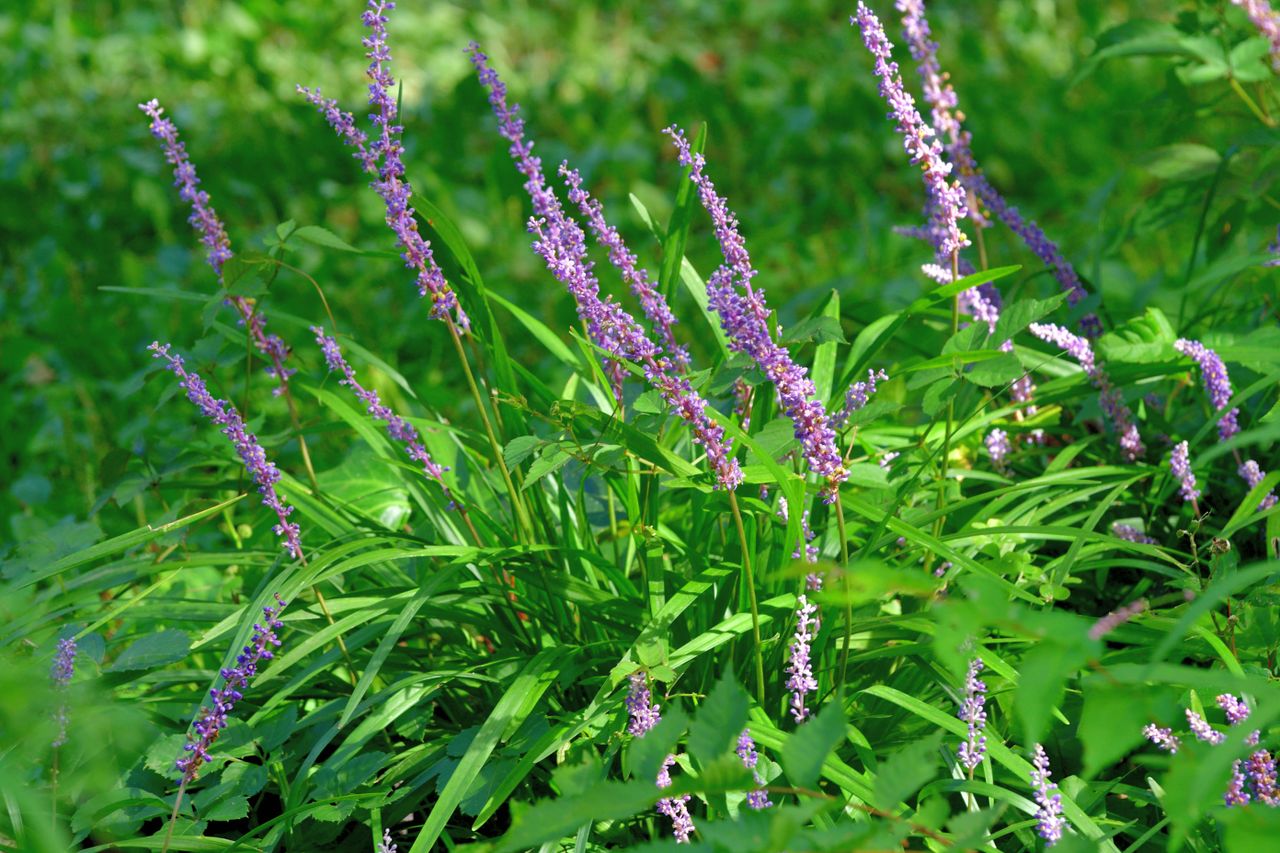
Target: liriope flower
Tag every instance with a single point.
(857, 396)
(973, 712)
(1131, 534)
(1267, 20)
(1162, 737)
(382, 157)
(1202, 730)
(1116, 618)
(746, 750)
(204, 219)
(562, 245)
(1252, 474)
(744, 316)
(1112, 401)
(61, 673)
(997, 444)
(397, 427)
(1049, 816)
(947, 202)
(1216, 382)
(1180, 465)
(213, 717)
(386, 845)
(225, 416)
(800, 667)
(643, 715)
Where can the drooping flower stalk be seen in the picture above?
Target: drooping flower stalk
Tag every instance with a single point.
(1267, 20)
(1180, 465)
(561, 244)
(204, 219)
(744, 316)
(800, 667)
(1216, 382)
(1162, 737)
(1049, 815)
(1108, 395)
(857, 396)
(643, 715)
(382, 158)
(61, 673)
(1131, 534)
(1116, 618)
(973, 712)
(746, 750)
(228, 420)
(652, 302)
(397, 427)
(997, 444)
(213, 717)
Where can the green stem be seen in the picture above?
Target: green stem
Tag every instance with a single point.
(946, 436)
(1251, 104)
(848, 592)
(750, 579)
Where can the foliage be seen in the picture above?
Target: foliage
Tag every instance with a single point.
(458, 664)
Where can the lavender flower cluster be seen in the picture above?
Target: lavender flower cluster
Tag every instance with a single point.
(61, 673)
(800, 679)
(1253, 779)
(644, 715)
(746, 751)
(225, 416)
(213, 717)
(1049, 820)
(973, 712)
(1267, 20)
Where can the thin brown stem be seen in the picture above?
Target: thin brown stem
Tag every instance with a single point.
(173, 818)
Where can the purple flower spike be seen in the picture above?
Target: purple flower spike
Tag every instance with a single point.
(562, 245)
(1253, 474)
(397, 427)
(1267, 20)
(800, 667)
(655, 307)
(947, 201)
(1116, 618)
(61, 673)
(1049, 815)
(1162, 737)
(382, 157)
(1216, 382)
(386, 845)
(1108, 395)
(1131, 534)
(1274, 248)
(1201, 729)
(204, 219)
(1237, 712)
(997, 442)
(676, 808)
(857, 396)
(1180, 464)
(746, 750)
(1261, 769)
(744, 316)
(644, 715)
(213, 717)
(1236, 795)
(225, 416)
(973, 712)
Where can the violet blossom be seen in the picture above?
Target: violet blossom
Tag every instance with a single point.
(857, 396)
(746, 750)
(561, 243)
(213, 717)
(225, 416)
(997, 444)
(800, 668)
(1267, 20)
(1116, 618)
(643, 716)
(1261, 769)
(397, 427)
(382, 157)
(1108, 395)
(386, 845)
(61, 673)
(744, 316)
(1252, 474)
(1162, 737)
(1049, 815)
(1180, 465)
(1131, 534)
(973, 712)
(204, 219)
(676, 808)
(1216, 382)
(1201, 729)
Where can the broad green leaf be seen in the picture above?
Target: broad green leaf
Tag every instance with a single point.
(153, 650)
(805, 751)
(718, 721)
(324, 238)
(906, 771)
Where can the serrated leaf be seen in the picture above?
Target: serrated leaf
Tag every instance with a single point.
(1018, 315)
(822, 329)
(906, 771)
(806, 749)
(551, 460)
(648, 752)
(153, 650)
(995, 372)
(719, 721)
(232, 808)
(520, 448)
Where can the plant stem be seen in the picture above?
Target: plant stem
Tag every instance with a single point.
(517, 505)
(1251, 104)
(750, 579)
(946, 436)
(848, 597)
(173, 818)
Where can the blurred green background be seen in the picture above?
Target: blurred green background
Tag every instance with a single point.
(798, 141)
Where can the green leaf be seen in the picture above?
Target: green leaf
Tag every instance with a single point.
(520, 448)
(824, 357)
(1182, 162)
(1111, 723)
(995, 372)
(906, 771)
(153, 650)
(367, 484)
(1018, 315)
(324, 238)
(648, 752)
(806, 750)
(1042, 681)
(551, 460)
(681, 218)
(550, 820)
(719, 721)
(820, 328)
